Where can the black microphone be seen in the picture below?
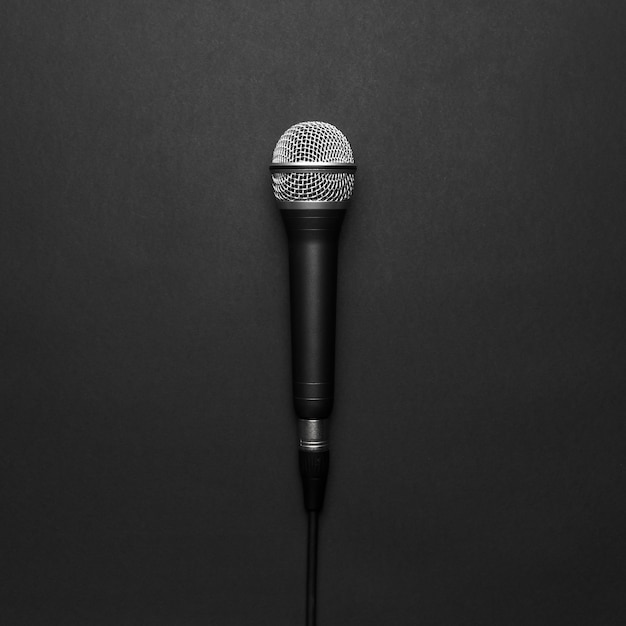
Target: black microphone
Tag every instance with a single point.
(313, 179)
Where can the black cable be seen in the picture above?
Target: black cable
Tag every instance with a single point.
(311, 570)
(313, 470)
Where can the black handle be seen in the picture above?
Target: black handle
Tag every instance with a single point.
(313, 244)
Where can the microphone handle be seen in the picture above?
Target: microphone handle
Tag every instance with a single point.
(313, 232)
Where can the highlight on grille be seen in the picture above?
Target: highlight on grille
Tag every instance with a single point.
(313, 142)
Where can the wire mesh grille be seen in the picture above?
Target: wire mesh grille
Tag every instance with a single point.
(313, 142)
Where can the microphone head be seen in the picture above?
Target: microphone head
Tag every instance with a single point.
(313, 162)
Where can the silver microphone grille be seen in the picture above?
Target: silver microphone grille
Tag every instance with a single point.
(311, 143)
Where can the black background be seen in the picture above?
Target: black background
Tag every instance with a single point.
(147, 449)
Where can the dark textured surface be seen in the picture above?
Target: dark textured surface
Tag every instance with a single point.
(148, 470)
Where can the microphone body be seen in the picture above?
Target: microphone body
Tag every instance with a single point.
(313, 230)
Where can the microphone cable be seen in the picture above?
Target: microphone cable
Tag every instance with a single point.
(311, 570)
(314, 472)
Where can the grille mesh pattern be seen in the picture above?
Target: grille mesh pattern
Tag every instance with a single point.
(313, 142)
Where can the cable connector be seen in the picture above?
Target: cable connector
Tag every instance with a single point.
(313, 471)
(313, 437)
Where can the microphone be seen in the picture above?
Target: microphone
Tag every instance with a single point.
(313, 179)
